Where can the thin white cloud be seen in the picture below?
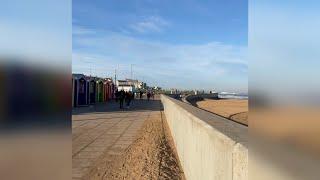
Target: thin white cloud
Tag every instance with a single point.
(150, 24)
(78, 30)
(170, 65)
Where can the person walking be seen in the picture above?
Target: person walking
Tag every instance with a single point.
(141, 93)
(117, 95)
(133, 96)
(128, 98)
(152, 95)
(148, 95)
(121, 96)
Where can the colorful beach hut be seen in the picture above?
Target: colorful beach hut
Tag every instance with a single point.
(112, 90)
(107, 89)
(92, 91)
(99, 91)
(80, 90)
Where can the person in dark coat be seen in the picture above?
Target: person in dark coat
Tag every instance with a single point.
(141, 93)
(148, 95)
(128, 98)
(117, 95)
(121, 97)
(131, 97)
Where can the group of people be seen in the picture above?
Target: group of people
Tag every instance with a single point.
(150, 94)
(124, 97)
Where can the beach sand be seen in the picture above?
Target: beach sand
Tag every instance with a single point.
(235, 109)
(151, 156)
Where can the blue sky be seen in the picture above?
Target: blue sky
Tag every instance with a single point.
(37, 32)
(174, 44)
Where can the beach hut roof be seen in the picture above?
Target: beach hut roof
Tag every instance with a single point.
(78, 76)
(99, 79)
(89, 78)
(108, 80)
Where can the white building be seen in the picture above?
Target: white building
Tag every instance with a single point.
(136, 84)
(130, 85)
(124, 85)
(173, 91)
(125, 88)
(157, 88)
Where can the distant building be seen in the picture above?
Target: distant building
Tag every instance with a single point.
(156, 88)
(195, 92)
(136, 84)
(124, 85)
(174, 91)
(130, 85)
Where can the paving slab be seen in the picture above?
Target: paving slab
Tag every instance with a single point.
(106, 129)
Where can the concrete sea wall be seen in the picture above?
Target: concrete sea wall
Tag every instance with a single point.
(208, 146)
(199, 97)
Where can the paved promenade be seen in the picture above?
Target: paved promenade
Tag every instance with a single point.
(104, 129)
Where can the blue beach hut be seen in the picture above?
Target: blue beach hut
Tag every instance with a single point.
(80, 90)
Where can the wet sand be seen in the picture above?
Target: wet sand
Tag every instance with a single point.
(235, 109)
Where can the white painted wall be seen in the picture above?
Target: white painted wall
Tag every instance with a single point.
(125, 88)
(208, 146)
